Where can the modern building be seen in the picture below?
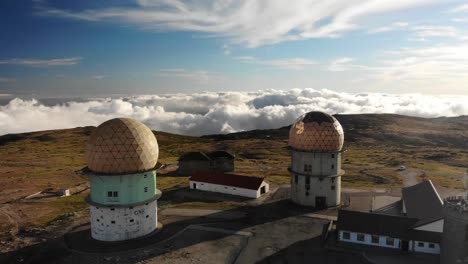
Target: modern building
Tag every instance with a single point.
(388, 231)
(246, 186)
(122, 155)
(315, 143)
(216, 161)
(415, 223)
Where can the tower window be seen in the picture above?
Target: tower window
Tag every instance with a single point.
(333, 156)
(146, 189)
(333, 187)
(145, 176)
(333, 166)
(113, 194)
(296, 178)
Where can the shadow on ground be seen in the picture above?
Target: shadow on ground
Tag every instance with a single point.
(78, 246)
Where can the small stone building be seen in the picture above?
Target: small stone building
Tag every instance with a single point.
(246, 186)
(216, 161)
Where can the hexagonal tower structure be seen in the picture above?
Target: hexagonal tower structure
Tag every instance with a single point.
(315, 143)
(122, 154)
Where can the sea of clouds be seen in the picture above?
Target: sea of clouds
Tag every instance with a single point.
(220, 112)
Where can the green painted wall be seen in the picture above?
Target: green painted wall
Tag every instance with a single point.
(130, 188)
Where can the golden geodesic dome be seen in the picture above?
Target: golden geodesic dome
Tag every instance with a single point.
(120, 146)
(316, 132)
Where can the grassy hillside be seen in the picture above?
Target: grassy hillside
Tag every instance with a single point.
(376, 145)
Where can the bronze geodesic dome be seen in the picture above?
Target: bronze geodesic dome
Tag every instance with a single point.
(122, 145)
(316, 132)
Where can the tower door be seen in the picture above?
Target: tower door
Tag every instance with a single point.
(320, 202)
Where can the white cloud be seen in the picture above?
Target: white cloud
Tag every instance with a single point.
(287, 63)
(392, 27)
(460, 20)
(248, 22)
(99, 77)
(209, 113)
(6, 79)
(423, 32)
(196, 75)
(460, 9)
(43, 63)
(440, 67)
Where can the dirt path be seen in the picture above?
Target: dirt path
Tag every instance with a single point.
(410, 177)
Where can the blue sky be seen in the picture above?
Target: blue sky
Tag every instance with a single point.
(69, 48)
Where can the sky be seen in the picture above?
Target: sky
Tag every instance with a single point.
(53, 48)
(198, 67)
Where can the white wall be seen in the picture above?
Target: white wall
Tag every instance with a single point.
(425, 247)
(267, 188)
(437, 226)
(368, 240)
(203, 186)
(301, 195)
(145, 221)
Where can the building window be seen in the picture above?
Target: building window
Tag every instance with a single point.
(147, 216)
(113, 194)
(146, 189)
(390, 241)
(333, 166)
(296, 179)
(131, 220)
(109, 194)
(145, 176)
(112, 222)
(333, 187)
(420, 244)
(360, 237)
(234, 189)
(305, 167)
(225, 187)
(375, 239)
(112, 209)
(333, 156)
(116, 194)
(431, 245)
(307, 193)
(346, 235)
(307, 180)
(97, 220)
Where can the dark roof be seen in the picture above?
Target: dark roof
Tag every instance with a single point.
(426, 236)
(423, 202)
(386, 225)
(196, 155)
(220, 154)
(319, 117)
(372, 223)
(247, 182)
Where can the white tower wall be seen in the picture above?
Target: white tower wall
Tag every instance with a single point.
(123, 223)
(316, 178)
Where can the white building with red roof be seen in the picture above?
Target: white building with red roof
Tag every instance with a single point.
(246, 186)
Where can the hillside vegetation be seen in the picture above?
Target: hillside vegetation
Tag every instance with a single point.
(375, 146)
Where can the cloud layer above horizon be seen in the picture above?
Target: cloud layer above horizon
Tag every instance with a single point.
(213, 113)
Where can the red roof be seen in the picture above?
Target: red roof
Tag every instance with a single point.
(246, 182)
